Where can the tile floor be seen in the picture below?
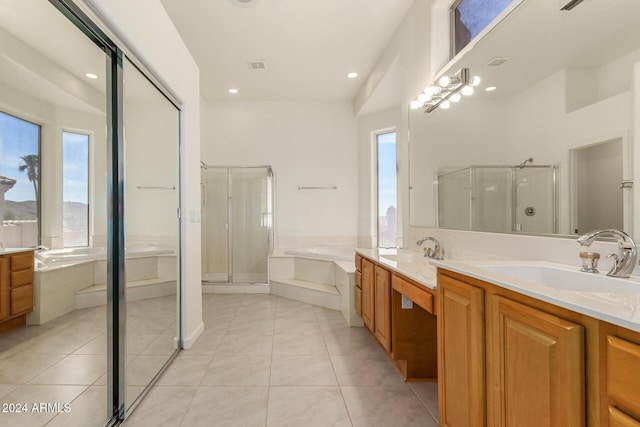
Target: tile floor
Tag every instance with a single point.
(64, 361)
(270, 361)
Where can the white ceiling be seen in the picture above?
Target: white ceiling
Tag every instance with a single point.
(309, 46)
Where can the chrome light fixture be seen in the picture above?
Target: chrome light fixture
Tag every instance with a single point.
(446, 91)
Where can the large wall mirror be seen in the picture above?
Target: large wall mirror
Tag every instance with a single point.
(549, 150)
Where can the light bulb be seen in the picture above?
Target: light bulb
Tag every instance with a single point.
(431, 90)
(444, 81)
(415, 104)
(475, 81)
(445, 105)
(467, 90)
(233, 91)
(423, 97)
(490, 88)
(455, 97)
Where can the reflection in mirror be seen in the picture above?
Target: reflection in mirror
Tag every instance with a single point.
(562, 92)
(59, 356)
(151, 229)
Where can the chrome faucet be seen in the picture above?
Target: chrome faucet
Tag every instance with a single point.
(625, 259)
(436, 252)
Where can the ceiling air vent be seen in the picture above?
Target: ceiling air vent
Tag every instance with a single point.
(497, 61)
(258, 64)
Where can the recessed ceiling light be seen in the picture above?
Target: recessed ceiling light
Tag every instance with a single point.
(352, 75)
(490, 88)
(232, 90)
(91, 76)
(244, 3)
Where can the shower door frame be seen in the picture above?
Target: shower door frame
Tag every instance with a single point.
(229, 227)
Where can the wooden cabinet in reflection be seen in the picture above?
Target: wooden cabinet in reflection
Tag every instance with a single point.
(16, 289)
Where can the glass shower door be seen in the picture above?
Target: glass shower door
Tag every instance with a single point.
(250, 221)
(535, 207)
(236, 223)
(215, 214)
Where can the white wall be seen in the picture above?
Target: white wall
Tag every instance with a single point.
(307, 144)
(146, 29)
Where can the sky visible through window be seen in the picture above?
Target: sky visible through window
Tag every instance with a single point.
(477, 14)
(386, 172)
(17, 138)
(75, 167)
(387, 190)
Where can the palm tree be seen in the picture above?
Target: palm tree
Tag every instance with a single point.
(31, 166)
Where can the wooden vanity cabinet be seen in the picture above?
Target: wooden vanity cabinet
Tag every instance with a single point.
(408, 334)
(413, 330)
(461, 350)
(382, 307)
(5, 291)
(368, 295)
(504, 362)
(536, 367)
(16, 289)
(357, 300)
(623, 379)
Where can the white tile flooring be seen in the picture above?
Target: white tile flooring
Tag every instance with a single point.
(262, 360)
(270, 361)
(64, 361)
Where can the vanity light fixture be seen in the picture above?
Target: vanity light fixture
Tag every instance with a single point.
(352, 75)
(232, 91)
(447, 90)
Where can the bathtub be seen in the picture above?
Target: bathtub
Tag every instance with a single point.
(337, 253)
(63, 257)
(73, 278)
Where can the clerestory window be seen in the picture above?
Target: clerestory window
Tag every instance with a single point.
(470, 17)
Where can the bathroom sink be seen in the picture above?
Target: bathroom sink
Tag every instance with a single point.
(404, 258)
(566, 279)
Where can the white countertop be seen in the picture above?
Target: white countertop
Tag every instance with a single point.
(617, 302)
(411, 264)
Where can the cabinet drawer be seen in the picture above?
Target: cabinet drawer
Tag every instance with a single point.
(623, 373)
(419, 296)
(21, 300)
(358, 263)
(358, 280)
(358, 301)
(21, 278)
(21, 261)
(620, 419)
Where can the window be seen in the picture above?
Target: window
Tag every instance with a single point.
(470, 17)
(387, 190)
(75, 189)
(19, 182)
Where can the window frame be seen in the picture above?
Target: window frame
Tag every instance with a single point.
(376, 215)
(89, 136)
(22, 117)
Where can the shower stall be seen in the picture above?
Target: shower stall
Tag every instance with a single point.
(518, 198)
(237, 224)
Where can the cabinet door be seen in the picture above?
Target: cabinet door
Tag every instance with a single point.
(367, 294)
(536, 367)
(382, 308)
(623, 374)
(357, 303)
(461, 358)
(4, 289)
